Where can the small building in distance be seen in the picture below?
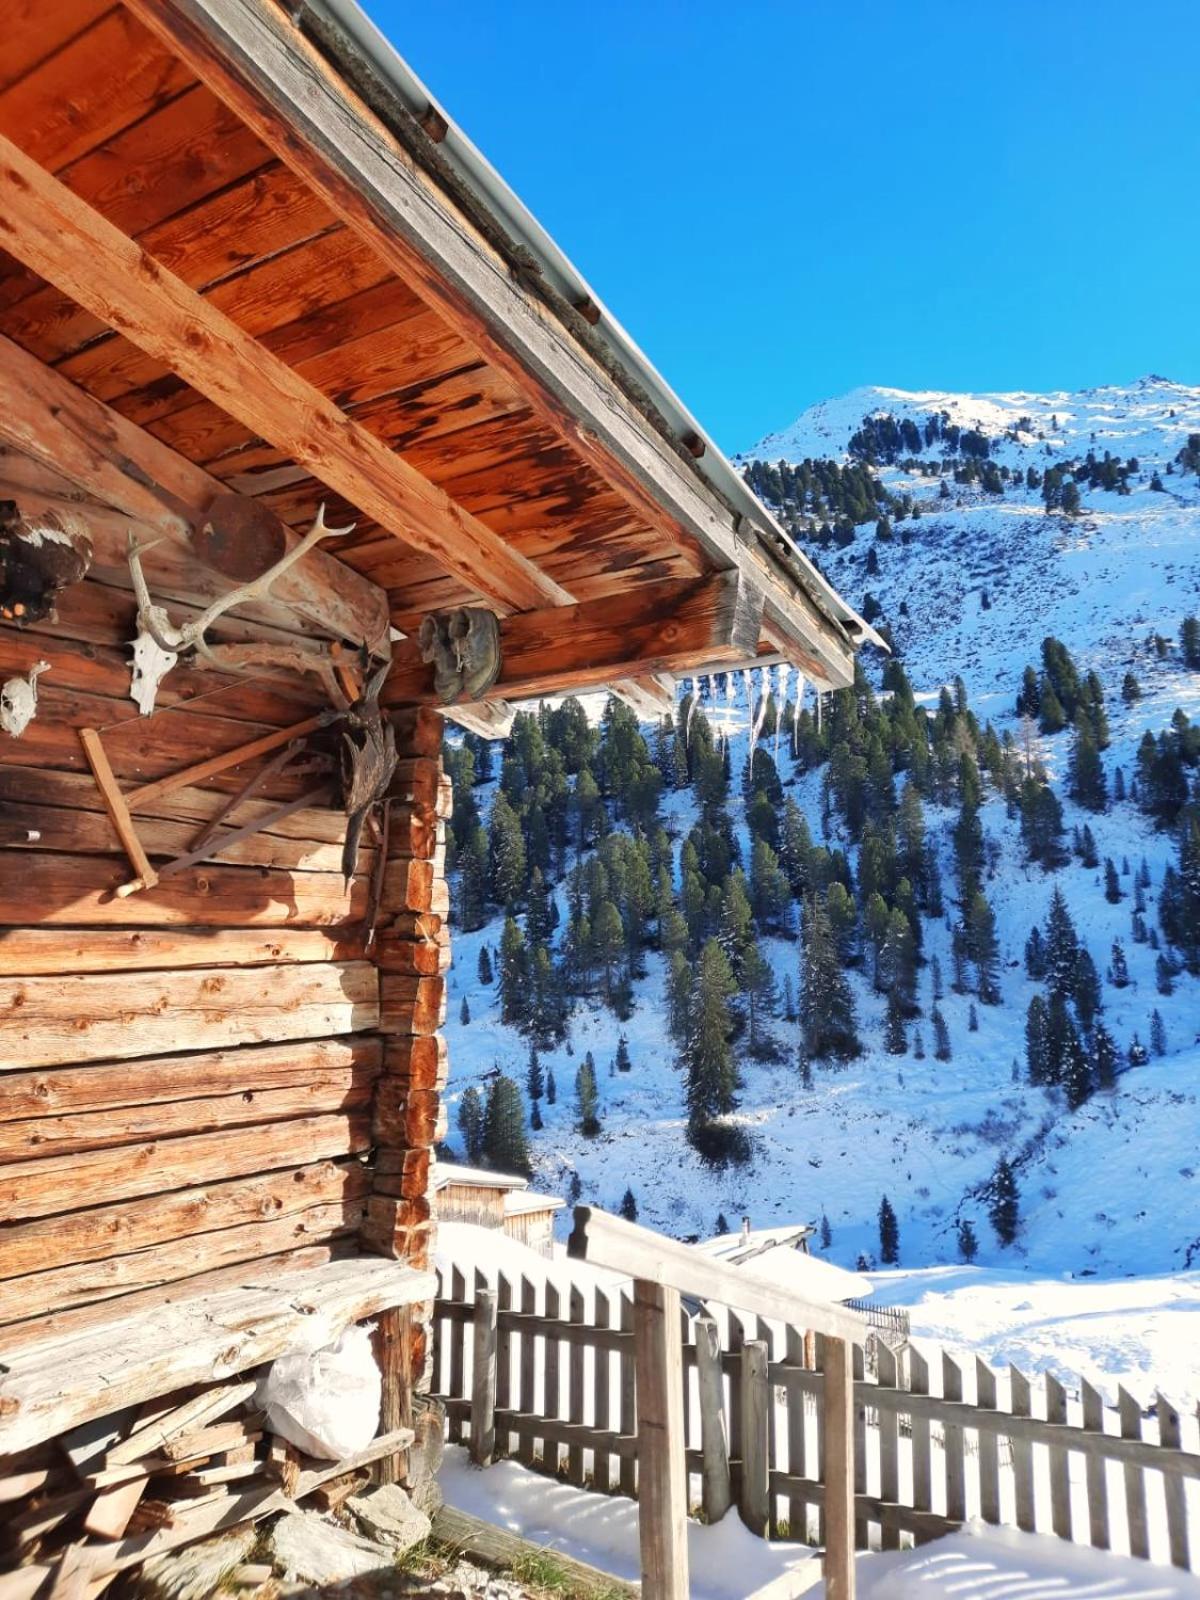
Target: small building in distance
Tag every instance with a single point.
(500, 1200)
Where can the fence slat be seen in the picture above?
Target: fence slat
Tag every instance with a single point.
(794, 1355)
(575, 1392)
(838, 1409)
(527, 1371)
(989, 1445)
(1060, 1468)
(601, 1403)
(504, 1397)
(714, 1436)
(858, 1367)
(662, 1507)
(1097, 1469)
(922, 1470)
(1022, 1452)
(1130, 1413)
(552, 1401)
(483, 1380)
(1170, 1435)
(457, 1332)
(627, 1368)
(753, 1496)
(817, 1343)
(954, 1445)
(889, 1444)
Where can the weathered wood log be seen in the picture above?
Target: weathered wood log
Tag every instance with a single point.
(670, 627)
(203, 1408)
(97, 1232)
(196, 1341)
(41, 1188)
(44, 1021)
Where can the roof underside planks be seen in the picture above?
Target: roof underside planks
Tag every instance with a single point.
(231, 253)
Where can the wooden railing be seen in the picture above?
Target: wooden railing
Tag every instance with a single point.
(760, 1417)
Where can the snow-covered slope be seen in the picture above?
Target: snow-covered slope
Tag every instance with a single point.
(1112, 1190)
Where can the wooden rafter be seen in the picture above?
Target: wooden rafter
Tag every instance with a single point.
(684, 625)
(73, 246)
(264, 69)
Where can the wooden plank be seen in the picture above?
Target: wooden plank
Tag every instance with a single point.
(715, 1489)
(41, 1188)
(503, 1359)
(202, 1408)
(194, 1342)
(673, 626)
(1170, 1436)
(576, 1393)
(97, 1232)
(483, 1379)
(601, 1393)
(268, 71)
(1097, 1469)
(481, 1541)
(922, 1471)
(838, 1471)
(753, 1494)
(954, 1444)
(396, 1334)
(47, 1293)
(46, 1021)
(861, 1530)
(628, 1396)
(1060, 1472)
(625, 1247)
(67, 1092)
(1022, 1452)
(118, 811)
(552, 1402)
(95, 447)
(109, 1513)
(1130, 1414)
(77, 891)
(889, 1441)
(989, 1446)
(527, 1367)
(662, 1483)
(73, 246)
(457, 1336)
(796, 1441)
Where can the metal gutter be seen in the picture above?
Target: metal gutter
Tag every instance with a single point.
(481, 179)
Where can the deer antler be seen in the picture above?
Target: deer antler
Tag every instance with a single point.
(155, 623)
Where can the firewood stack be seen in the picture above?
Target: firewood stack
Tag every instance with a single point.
(99, 1500)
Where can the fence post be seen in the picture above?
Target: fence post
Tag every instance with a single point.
(483, 1380)
(754, 1499)
(714, 1435)
(794, 1354)
(838, 1410)
(527, 1370)
(662, 1476)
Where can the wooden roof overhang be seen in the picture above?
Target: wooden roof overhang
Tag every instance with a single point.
(234, 260)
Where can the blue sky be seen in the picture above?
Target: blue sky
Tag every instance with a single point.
(782, 201)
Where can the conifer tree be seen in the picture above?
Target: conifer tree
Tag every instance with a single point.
(623, 1063)
(514, 995)
(711, 1075)
(535, 1083)
(587, 1099)
(551, 1088)
(464, 1012)
(826, 1006)
(1104, 1058)
(1158, 1033)
(1037, 1041)
(889, 1234)
(1062, 946)
(968, 1244)
(574, 1189)
(506, 853)
(629, 1208)
(941, 1036)
(470, 1125)
(826, 1232)
(1118, 971)
(1112, 884)
(485, 966)
(722, 1225)
(505, 1146)
(1004, 1206)
(895, 1041)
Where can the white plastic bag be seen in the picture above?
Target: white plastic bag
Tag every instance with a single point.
(326, 1402)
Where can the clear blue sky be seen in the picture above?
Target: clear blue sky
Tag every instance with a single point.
(783, 200)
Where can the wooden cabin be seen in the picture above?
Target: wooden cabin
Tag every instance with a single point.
(250, 269)
(499, 1200)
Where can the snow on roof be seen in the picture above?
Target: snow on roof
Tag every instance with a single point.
(810, 1277)
(446, 1172)
(517, 1202)
(729, 1246)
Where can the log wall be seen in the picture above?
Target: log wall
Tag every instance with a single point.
(187, 1075)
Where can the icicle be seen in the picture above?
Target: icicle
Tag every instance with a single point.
(818, 711)
(759, 716)
(687, 727)
(782, 673)
(748, 684)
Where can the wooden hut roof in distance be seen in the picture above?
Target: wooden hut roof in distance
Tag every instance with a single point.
(237, 258)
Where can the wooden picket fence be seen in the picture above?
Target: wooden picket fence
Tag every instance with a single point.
(545, 1375)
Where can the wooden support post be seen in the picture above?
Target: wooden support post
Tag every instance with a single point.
(714, 1430)
(483, 1380)
(839, 1470)
(662, 1480)
(394, 1348)
(754, 1496)
(117, 808)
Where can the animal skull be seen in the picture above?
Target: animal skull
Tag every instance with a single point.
(18, 700)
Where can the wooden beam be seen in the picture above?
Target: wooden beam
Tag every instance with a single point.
(838, 1417)
(490, 719)
(265, 69)
(671, 626)
(662, 1442)
(46, 226)
(652, 698)
(94, 447)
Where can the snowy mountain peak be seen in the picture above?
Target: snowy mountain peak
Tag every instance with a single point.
(1150, 417)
